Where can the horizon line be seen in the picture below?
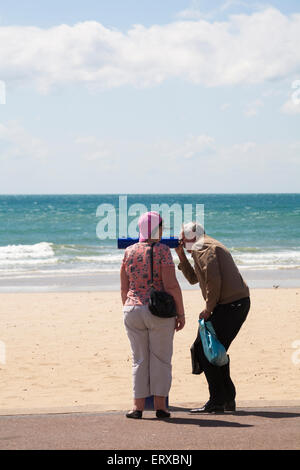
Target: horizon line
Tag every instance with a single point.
(144, 194)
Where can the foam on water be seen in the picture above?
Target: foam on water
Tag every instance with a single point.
(50, 236)
(16, 252)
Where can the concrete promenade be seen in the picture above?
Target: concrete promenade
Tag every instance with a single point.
(252, 428)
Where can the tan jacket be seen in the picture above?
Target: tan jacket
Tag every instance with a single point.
(215, 270)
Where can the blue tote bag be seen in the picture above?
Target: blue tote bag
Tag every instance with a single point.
(213, 349)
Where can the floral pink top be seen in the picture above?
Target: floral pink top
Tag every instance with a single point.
(136, 263)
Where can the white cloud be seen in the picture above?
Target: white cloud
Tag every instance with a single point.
(16, 142)
(191, 147)
(225, 106)
(232, 3)
(292, 105)
(194, 12)
(295, 146)
(255, 167)
(162, 152)
(236, 51)
(191, 14)
(197, 146)
(253, 107)
(245, 166)
(2, 92)
(244, 147)
(93, 149)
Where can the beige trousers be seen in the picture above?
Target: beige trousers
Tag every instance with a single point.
(151, 340)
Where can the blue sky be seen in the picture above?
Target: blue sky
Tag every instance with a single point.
(137, 96)
(122, 14)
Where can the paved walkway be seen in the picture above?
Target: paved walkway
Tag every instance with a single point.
(249, 428)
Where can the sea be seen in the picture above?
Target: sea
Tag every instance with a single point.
(69, 242)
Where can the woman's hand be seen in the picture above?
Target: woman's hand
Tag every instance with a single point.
(180, 322)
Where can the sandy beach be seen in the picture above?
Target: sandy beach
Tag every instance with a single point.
(69, 352)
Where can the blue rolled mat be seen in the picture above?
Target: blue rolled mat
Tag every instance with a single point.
(171, 242)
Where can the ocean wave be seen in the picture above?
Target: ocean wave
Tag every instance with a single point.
(50, 259)
(110, 258)
(245, 249)
(270, 267)
(15, 252)
(27, 255)
(28, 262)
(275, 258)
(15, 274)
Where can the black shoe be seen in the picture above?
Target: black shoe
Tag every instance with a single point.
(136, 414)
(162, 414)
(230, 406)
(209, 407)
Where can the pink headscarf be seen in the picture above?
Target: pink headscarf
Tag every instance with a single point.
(148, 222)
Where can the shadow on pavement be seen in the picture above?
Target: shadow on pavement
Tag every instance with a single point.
(208, 423)
(267, 414)
(274, 414)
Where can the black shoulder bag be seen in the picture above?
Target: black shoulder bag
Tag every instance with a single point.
(161, 303)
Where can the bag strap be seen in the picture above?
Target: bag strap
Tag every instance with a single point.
(151, 263)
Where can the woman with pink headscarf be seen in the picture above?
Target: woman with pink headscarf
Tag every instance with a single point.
(151, 337)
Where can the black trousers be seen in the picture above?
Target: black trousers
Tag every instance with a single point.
(227, 320)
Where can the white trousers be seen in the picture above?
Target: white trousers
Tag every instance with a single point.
(151, 340)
